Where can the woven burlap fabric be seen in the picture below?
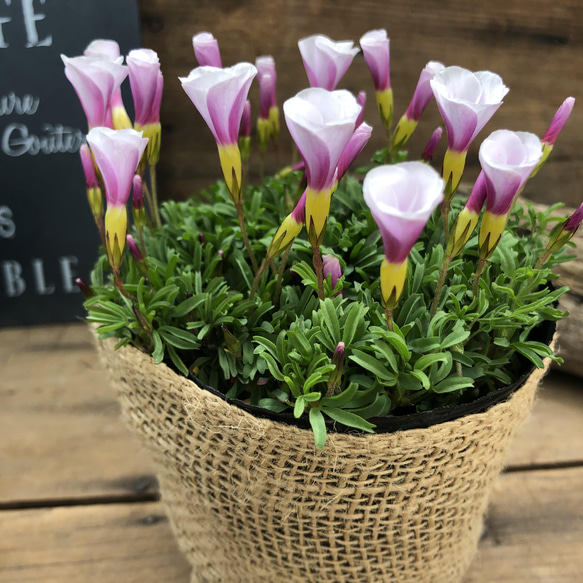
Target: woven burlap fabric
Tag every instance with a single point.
(253, 501)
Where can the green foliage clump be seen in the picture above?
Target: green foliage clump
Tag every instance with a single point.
(189, 305)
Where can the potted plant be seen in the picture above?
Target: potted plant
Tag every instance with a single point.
(330, 402)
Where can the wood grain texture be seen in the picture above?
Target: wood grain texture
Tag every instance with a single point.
(61, 435)
(126, 543)
(537, 48)
(534, 534)
(62, 438)
(534, 530)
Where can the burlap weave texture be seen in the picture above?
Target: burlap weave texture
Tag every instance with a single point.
(253, 501)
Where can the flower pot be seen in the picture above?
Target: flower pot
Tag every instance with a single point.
(252, 500)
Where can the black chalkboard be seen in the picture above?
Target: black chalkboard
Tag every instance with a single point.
(47, 234)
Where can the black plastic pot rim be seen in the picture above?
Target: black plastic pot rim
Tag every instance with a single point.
(392, 423)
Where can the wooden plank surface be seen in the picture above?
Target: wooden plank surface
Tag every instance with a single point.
(125, 543)
(535, 534)
(535, 45)
(61, 436)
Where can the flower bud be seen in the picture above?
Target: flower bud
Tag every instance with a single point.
(559, 120)
(84, 288)
(206, 50)
(336, 374)
(138, 208)
(432, 145)
(134, 249)
(333, 269)
(565, 231)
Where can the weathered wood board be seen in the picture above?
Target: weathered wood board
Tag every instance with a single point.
(61, 435)
(536, 46)
(534, 534)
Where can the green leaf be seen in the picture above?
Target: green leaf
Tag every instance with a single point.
(299, 407)
(451, 384)
(428, 359)
(371, 364)
(318, 427)
(349, 419)
(456, 336)
(158, 354)
(341, 398)
(354, 316)
(330, 316)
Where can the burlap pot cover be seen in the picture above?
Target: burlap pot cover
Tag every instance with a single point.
(253, 501)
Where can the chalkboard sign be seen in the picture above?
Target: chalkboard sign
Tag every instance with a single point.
(47, 234)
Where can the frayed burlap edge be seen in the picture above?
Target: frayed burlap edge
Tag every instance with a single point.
(252, 500)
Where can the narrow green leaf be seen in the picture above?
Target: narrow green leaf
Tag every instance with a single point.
(371, 364)
(349, 419)
(318, 427)
(451, 384)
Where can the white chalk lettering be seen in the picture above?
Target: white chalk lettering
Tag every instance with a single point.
(30, 20)
(68, 274)
(3, 20)
(16, 278)
(13, 281)
(38, 273)
(25, 105)
(58, 139)
(7, 224)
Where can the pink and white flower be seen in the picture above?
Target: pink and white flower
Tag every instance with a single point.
(419, 102)
(507, 159)
(117, 154)
(321, 124)
(95, 80)
(325, 60)
(117, 116)
(376, 51)
(268, 120)
(401, 198)
(355, 146)
(466, 102)
(146, 82)
(220, 96)
(206, 50)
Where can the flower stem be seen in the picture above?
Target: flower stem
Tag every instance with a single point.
(319, 267)
(389, 317)
(389, 136)
(440, 282)
(445, 217)
(257, 279)
(543, 260)
(280, 276)
(119, 285)
(479, 271)
(150, 216)
(101, 228)
(241, 217)
(154, 186)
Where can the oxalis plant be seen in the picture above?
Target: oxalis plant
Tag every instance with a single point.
(396, 297)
